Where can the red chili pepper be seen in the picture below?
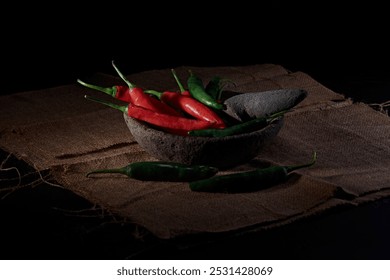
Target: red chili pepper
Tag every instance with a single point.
(189, 105)
(164, 121)
(139, 98)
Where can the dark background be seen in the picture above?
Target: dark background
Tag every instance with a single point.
(345, 48)
(44, 46)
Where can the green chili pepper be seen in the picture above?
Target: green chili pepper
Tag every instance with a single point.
(247, 181)
(198, 91)
(162, 171)
(245, 127)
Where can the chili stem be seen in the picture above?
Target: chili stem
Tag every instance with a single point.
(123, 76)
(154, 92)
(110, 91)
(182, 89)
(215, 86)
(292, 168)
(122, 170)
(112, 105)
(278, 114)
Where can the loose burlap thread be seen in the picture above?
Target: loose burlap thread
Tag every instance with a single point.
(56, 129)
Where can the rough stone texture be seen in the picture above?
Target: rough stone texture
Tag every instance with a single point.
(220, 152)
(259, 104)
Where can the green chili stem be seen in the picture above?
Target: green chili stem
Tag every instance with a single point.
(215, 86)
(181, 87)
(109, 91)
(154, 92)
(112, 105)
(224, 83)
(123, 76)
(295, 167)
(122, 170)
(277, 114)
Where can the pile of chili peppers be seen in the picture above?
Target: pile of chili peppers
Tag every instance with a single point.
(196, 111)
(174, 112)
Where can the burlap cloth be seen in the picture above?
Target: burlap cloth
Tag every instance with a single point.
(58, 130)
